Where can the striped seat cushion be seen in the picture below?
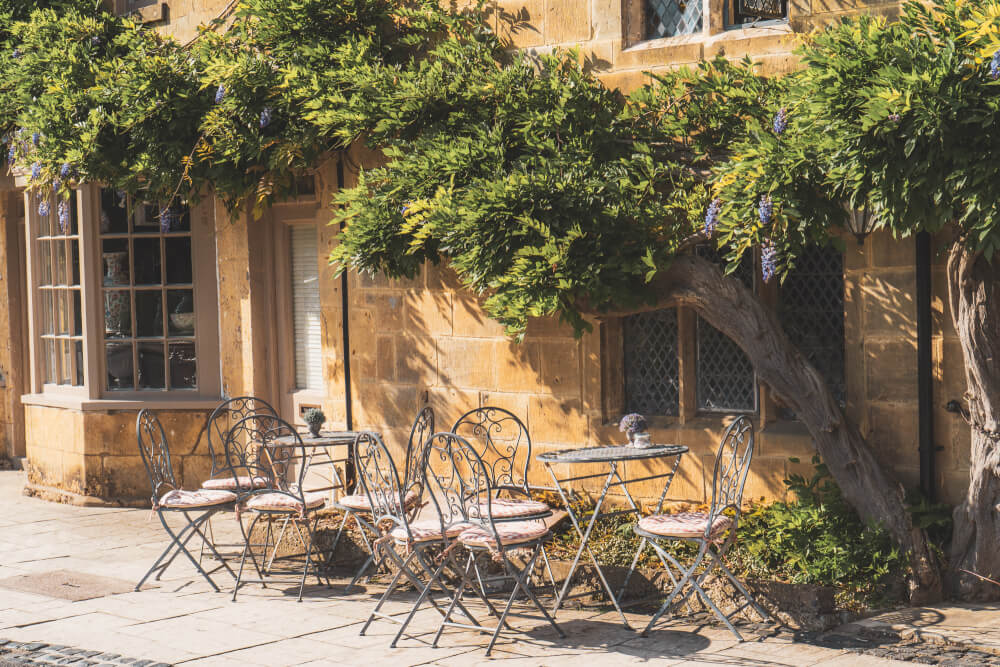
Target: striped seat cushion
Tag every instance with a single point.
(359, 501)
(282, 502)
(685, 524)
(512, 532)
(428, 529)
(194, 499)
(229, 483)
(508, 508)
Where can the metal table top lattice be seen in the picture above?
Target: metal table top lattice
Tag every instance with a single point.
(604, 454)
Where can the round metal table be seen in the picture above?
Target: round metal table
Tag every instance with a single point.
(611, 455)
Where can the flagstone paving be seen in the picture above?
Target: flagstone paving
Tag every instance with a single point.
(180, 620)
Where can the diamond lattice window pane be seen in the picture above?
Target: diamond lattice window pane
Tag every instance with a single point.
(652, 386)
(668, 18)
(811, 310)
(726, 380)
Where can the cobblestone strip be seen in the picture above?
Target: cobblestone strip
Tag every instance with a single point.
(36, 654)
(893, 648)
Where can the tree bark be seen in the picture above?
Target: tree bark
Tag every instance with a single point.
(871, 490)
(974, 294)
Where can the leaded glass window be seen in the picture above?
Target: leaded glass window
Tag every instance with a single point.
(811, 311)
(652, 386)
(726, 381)
(148, 295)
(755, 11)
(669, 18)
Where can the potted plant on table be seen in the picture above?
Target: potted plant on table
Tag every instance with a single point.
(635, 427)
(314, 418)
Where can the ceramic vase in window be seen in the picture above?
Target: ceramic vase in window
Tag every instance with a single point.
(116, 303)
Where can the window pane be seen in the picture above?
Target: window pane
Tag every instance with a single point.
(51, 360)
(115, 257)
(811, 310)
(74, 250)
(77, 314)
(149, 313)
(119, 364)
(114, 218)
(652, 385)
(725, 377)
(178, 254)
(45, 310)
(66, 374)
(64, 316)
(145, 218)
(183, 369)
(74, 215)
(151, 366)
(61, 272)
(178, 219)
(752, 11)
(44, 263)
(117, 314)
(78, 351)
(669, 18)
(180, 304)
(147, 261)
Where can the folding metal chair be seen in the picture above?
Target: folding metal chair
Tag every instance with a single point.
(195, 506)
(217, 429)
(358, 505)
(713, 532)
(461, 485)
(285, 466)
(420, 549)
(503, 443)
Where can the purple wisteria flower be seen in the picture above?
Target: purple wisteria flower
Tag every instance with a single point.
(36, 138)
(220, 94)
(712, 216)
(55, 184)
(768, 260)
(169, 220)
(995, 66)
(36, 171)
(64, 170)
(780, 121)
(63, 211)
(12, 153)
(265, 117)
(766, 208)
(43, 208)
(894, 117)
(95, 40)
(16, 54)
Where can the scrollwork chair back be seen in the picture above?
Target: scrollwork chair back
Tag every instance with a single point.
(732, 464)
(502, 443)
(155, 452)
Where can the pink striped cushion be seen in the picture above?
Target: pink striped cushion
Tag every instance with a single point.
(428, 529)
(199, 498)
(508, 508)
(228, 483)
(359, 501)
(511, 532)
(281, 502)
(684, 524)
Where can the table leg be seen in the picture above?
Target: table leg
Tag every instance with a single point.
(584, 538)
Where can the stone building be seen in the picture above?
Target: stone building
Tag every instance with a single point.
(114, 315)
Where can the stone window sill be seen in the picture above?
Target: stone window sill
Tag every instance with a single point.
(83, 404)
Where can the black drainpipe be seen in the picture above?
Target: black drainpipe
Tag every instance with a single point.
(925, 380)
(349, 473)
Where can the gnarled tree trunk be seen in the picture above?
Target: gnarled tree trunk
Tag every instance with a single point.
(740, 315)
(974, 291)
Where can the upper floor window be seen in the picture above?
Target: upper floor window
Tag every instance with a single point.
(742, 12)
(122, 299)
(669, 18)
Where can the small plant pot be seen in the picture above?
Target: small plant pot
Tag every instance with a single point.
(641, 441)
(314, 429)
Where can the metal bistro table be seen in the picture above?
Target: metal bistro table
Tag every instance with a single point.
(611, 455)
(320, 451)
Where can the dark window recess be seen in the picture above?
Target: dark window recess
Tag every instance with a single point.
(811, 310)
(652, 386)
(752, 11)
(669, 18)
(726, 381)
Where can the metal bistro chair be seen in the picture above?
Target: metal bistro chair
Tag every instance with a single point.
(284, 499)
(419, 548)
(714, 532)
(195, 506)
(358, 503)
(223, 457)
(464, 491)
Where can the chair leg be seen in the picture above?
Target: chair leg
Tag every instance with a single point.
(181, 540)
(463, 581)
(740, 587)
(310, 532)
(685, 578)
(210, 543)
(382, 600)
(243, 559)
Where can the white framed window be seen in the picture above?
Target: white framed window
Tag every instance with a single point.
(122, 303)
(306, 315)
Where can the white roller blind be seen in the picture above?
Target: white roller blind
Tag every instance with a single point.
(305, 307)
